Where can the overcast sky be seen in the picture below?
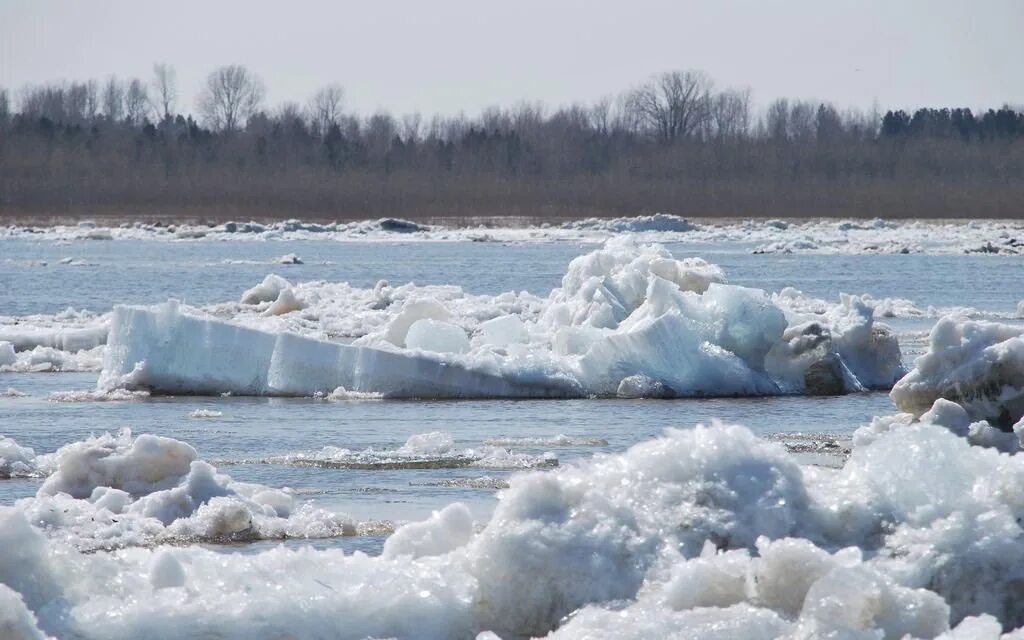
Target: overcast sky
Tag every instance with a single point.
(462, 55)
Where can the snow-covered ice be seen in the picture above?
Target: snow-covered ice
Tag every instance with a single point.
(979, 365)
(121, 490)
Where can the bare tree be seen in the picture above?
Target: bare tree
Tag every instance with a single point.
(777, 120)
(76, 98)
(380, 132)
(136, 102)
(47, 101)
(601, 115)
(494, 118)
(673, 104)
(729, 114)
(113, 99)
(801, 120)
(230, 96)
(527, 118)
(165, 89)
(5, 106)
(627, 118)
(411, 127)
(291, 118)
(92, 98)
(325, 107)
(828, 124)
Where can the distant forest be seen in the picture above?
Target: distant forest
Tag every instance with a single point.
(674, 143)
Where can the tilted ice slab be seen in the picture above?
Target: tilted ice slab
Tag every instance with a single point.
(978, 365)
(628, 320)
(180, 353)
(701, 533)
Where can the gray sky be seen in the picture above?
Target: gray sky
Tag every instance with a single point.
(462, 55)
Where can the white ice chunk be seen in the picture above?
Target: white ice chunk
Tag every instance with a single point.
(437, 336)
(444, 531)
(978, 365)
(503, 331)
(16, 460)
(413, 310)
(286, 302)
(138, 466)
(266, 291)
(7, 355)
(16, 621)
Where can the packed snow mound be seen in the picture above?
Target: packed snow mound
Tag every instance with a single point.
(119, 490)
(978, 365)
(628, 320)
(703, 532)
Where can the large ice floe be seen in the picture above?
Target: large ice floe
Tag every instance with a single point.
(628, 320)
(707, 532)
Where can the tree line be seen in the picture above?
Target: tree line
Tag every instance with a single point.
(673, 143)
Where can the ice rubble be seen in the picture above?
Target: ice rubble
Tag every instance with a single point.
(560, 440)
(17, 461)
(25, 338)
(119, 490)
(629, 319)
(433, 450)
(703, 532)
(67, 341)
(978, 365)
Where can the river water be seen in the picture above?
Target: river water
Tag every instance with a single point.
(251, 438)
